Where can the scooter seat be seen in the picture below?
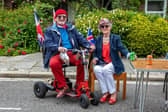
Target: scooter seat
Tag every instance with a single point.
(65, 65)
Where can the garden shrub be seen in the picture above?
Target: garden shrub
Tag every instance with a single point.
(18, 30)
(140, 33)
(125, 4)
(146, 36)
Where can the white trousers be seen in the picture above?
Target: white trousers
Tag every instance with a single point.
(104, 75)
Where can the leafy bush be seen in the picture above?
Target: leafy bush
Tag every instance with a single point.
(146, 36)
(54, 3)
(125, 4)
(140, 33)
(18, 30)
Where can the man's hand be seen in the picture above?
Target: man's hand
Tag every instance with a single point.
(92, 48)
(94, 61)
(62, 49)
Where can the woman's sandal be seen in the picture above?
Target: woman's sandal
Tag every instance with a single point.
(104, 98)
(113, 100)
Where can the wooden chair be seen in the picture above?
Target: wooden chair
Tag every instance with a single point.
(122, 76)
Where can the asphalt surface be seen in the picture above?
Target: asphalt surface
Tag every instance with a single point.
(16, 95)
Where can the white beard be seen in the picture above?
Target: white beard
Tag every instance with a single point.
(61, 23)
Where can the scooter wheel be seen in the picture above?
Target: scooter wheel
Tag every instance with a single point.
(84, 101)
(40, 89)
(95, 98)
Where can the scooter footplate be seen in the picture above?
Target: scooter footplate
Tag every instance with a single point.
(71, 94)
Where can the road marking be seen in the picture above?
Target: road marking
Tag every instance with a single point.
(4, 108)
(22, 79)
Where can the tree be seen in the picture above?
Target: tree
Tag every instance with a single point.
(94, 3)
(8, 3)
(109, 4)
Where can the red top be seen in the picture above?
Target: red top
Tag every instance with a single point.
(106, 53)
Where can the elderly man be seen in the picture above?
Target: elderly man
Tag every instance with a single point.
(58, 39)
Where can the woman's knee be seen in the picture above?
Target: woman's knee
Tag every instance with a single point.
(97, 69)
(108, 71)
(109, 68)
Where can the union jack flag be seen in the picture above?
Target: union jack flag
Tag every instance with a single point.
(90, 36)
(53, 16)
(40, 36)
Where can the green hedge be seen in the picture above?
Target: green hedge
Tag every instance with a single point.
(140, 33)
(18, 30)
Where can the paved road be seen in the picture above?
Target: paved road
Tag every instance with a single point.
(16, 95)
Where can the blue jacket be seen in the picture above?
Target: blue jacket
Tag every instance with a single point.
(53, 41)
(116, 46)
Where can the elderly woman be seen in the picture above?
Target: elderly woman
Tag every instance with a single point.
(107, 60)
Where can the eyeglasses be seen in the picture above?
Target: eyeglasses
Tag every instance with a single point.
(59, 17)
(104, 26)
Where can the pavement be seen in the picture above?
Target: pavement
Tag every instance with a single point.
(31, 66)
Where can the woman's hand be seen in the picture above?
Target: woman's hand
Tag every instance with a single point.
(94, 61)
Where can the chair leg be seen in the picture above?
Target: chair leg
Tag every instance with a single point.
(92, 83)
(164, 84)
(89, 80)
(118, 85)
(166, 91)
(124, 87)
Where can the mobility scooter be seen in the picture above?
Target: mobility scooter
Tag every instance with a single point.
(82, 91)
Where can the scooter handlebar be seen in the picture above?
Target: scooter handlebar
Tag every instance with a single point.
(75, 51)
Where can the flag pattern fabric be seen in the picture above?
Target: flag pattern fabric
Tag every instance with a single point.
(53, 16)
(40, 36)
(90, 36)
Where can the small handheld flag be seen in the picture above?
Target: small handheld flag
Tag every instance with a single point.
(90, 36)
(53, 16)
(40, 36)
